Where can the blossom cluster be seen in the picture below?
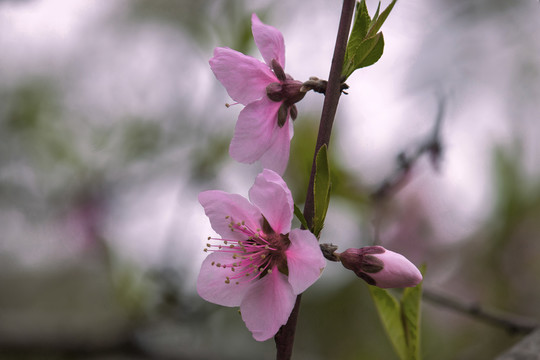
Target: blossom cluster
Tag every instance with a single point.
(259, 263)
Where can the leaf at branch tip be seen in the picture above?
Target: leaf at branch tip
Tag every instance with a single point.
(366, 44)
(321, 190)
(300, 216)
(378, 21)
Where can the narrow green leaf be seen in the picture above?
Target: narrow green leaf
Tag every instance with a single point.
(361, 23)
(321, 190)
(410, 314)
(359, 31)
(300, 216)
(378, 21)
(390, 314)
(366, 44)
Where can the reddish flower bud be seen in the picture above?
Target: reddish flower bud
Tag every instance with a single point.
(381, 267)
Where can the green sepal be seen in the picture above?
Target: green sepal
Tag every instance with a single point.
(321, 190)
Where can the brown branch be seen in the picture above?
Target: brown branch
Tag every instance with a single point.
(513, 324)
(285, 337)
(431, 146)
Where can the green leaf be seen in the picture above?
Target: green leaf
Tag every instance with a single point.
(366, 44)
(300, 217)
(378, 21)
(361, 23)
(367, 53)
(401, 320)
(410, 313)
(389, 311)
(321, 190)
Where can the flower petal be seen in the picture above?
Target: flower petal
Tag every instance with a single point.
(276, 157)
(254, 130)
(244, 77)
(211, 284)
(398, 271)
(267, 305)
(223, 208)
(272, 196)
(269, 40)
(304, 260)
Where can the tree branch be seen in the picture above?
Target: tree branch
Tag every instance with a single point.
(285, 336)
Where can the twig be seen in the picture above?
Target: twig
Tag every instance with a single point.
(405, 162)
(285, 336)
(511, 323)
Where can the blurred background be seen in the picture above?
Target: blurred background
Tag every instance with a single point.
(111, 123)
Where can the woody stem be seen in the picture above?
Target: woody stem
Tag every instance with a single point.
(285, 336)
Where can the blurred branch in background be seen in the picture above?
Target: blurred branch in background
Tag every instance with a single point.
(511, 323)
(431, 146)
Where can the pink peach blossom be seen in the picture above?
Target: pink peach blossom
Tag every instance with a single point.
(263, 131)
(259, 263)
(381, 267)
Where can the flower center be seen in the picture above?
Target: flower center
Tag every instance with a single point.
(259, 254)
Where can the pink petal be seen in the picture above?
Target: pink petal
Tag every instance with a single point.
(222, 208)
(276, 156)
(254, 130)
(272, 196)
(267, 305)
(245, 78)
(304, 260)
(269, 40)
(398, 271)
(211, 284)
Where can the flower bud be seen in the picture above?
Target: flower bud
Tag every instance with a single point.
(381, 267)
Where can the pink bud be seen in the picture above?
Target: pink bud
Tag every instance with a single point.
(381, 267)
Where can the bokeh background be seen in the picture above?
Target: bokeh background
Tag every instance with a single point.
(111, 123)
